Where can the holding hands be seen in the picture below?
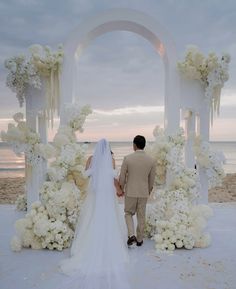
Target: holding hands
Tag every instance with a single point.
(119, 191)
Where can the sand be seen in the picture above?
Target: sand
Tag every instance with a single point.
(225, 193)
(10, 188)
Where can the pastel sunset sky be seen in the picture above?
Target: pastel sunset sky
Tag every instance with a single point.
(119, 74)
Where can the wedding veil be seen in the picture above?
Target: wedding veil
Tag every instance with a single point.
(98, 253)
(101, 165)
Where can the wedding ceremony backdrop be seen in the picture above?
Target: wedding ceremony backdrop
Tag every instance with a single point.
(186, 165)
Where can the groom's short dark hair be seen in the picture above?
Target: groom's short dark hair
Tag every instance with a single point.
(140, 142)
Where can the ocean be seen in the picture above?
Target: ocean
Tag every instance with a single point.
(13, 166)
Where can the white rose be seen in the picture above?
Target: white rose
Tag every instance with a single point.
(179, 244)
(158, 238)
(36, 49)
(171, 247)
(36, 245)
(188, 246)
(47, 151)
(61, 140)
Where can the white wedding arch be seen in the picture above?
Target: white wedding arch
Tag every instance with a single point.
(179, 93)
(136, 22)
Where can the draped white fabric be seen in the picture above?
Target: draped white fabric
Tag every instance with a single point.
(99, 254)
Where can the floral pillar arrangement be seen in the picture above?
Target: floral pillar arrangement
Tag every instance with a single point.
(202, 78)
(51, 221)
(36, 80)
(211, 72)
(38, 72)
(174, 220)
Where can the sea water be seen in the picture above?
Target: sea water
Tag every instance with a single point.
(12, 165)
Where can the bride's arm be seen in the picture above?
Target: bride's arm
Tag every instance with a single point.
(88, 162)
(113, 163)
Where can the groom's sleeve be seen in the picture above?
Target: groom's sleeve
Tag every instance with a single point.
(123, 172)
(151, 178)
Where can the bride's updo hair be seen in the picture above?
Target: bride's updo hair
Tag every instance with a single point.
(140, 142)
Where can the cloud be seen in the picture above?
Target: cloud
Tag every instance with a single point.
(130, 110)
(220, 133)
(119, 69)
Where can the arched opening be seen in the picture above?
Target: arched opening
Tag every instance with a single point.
(136, 22)
(122, 78)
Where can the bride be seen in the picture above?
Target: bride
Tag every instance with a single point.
(99, 255)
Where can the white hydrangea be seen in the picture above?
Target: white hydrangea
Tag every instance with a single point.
(21, 74)
(174, 222)
(23, 140)
(51, 222)
(27, 71)
(21, 203)
(75, 116)
(167, 151)
(212, 71)
(211, 161)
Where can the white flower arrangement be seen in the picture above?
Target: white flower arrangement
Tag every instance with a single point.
(188, 180)
(45, 60)
(75, 116)
(173, 219)
(173, 222)
(211, 71)
(211, 161)
(22, 74)
(40, 230)
(159, 151)
(25, 72)
(167, 151)
(51, 222)
(21, 203)
(23, 140)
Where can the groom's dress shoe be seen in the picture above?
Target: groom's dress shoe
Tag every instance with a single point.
(139, 244)
(131, 240)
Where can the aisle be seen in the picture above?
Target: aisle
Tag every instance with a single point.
(209, 268)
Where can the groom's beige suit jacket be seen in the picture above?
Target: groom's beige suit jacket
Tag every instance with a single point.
(137, 174)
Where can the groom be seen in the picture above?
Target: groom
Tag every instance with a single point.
(136, 180)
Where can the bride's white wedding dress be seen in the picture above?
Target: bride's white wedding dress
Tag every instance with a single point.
(99, 255)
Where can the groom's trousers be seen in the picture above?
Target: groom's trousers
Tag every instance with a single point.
(136, 206)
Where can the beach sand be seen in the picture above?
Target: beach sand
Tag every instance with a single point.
(10, 188)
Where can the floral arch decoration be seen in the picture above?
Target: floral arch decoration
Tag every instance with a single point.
(172, 220)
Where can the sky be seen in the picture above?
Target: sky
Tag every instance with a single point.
(119, 74)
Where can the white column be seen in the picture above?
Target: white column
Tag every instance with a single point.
(42, 129)
(172, 99)
(197, 124)
(190, 133)
(205, 121)
(204, 133)
(31, 173)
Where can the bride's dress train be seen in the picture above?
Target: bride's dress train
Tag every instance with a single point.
(99, 256)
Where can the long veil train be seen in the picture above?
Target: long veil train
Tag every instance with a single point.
(99, 256)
